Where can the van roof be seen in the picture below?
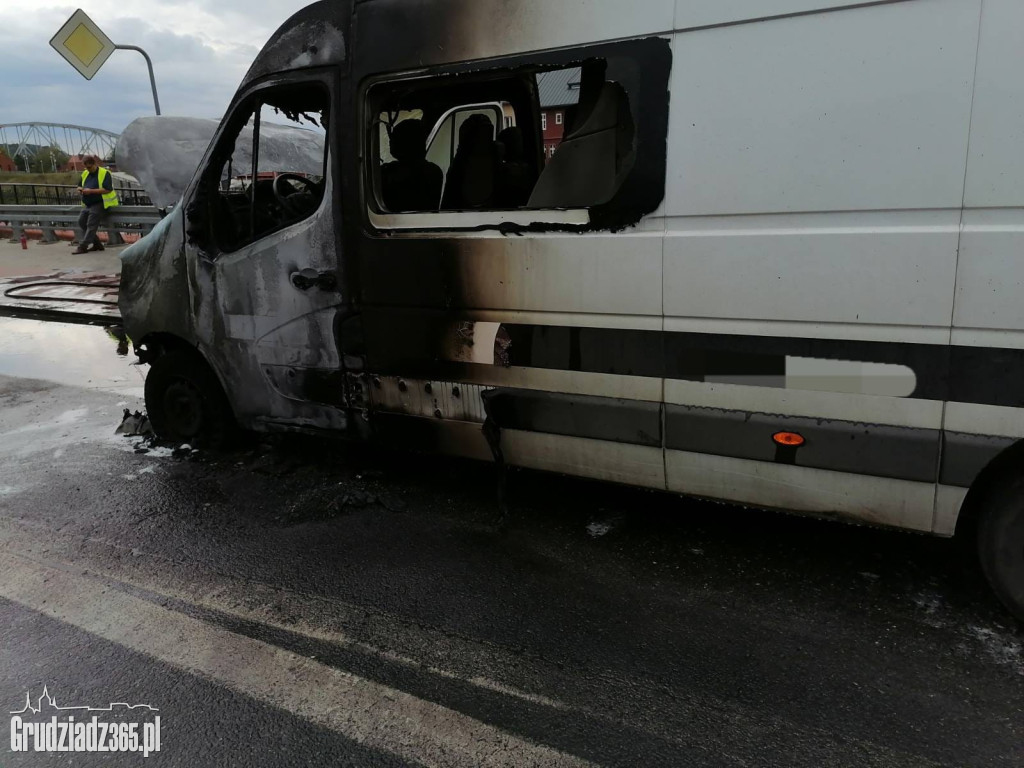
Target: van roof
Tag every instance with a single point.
(380, 36)
(312, 37)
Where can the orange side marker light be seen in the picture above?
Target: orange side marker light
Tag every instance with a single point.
(789, 439)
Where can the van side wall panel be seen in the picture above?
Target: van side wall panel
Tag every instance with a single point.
(815, 184)
(824, 184)
(816, 169)
(858, 110)
(817, 154)
(995, 176)
(990, 274)
(990, 283)
(437, 306)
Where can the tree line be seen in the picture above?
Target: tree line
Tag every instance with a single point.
(39, 159)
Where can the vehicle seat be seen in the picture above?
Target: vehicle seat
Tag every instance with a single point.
(472, 178)
(515, 178)
(411, 182)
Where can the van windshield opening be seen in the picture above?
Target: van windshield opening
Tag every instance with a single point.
(270, 172)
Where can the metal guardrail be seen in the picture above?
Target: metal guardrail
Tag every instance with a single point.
(20, 193)
(48, 218)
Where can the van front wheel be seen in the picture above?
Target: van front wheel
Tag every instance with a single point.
(185, 401)
(1001, 540)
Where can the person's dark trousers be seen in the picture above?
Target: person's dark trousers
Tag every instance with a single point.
(90, 220)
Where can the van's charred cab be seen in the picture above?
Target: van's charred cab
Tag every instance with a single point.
(817, 240)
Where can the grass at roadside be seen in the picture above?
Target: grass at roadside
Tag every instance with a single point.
(40, 178)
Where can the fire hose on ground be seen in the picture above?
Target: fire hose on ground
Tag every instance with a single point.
(12, 292)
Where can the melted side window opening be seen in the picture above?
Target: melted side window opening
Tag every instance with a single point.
(532, 139)
(269, 171)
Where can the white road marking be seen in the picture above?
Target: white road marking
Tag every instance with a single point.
(371, 714)
(256, 602)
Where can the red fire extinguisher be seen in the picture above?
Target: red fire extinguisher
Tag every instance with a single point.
(24, 242)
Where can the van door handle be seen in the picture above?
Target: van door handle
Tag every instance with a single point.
(310, 278)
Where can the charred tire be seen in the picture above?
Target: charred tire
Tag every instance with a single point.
(1001, 540)
(185, 401)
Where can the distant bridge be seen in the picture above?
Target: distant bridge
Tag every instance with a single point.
(72, 139)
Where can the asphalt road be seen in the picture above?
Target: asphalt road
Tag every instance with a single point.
(305, 603)
(55, 258)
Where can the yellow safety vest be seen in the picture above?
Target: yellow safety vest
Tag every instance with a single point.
(110, 198)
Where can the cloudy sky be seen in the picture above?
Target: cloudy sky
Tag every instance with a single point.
(200, 51)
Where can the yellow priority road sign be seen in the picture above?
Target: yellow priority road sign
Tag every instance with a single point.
(83, 44)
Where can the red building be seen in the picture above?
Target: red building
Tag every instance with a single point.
(6, 164)
(559, 91)
(74, 163)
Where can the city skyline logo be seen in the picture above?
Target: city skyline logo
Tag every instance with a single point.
(51, 701)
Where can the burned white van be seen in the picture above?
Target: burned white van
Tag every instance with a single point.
(765, 252)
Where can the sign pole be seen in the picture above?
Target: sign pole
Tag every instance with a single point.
(149, 63)
(86, 48)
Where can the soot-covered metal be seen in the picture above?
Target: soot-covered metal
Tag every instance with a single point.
(498, 315)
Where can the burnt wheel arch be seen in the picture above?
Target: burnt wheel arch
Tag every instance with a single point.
(185, 399)
(155, 345)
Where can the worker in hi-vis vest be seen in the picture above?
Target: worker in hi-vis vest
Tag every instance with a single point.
(98, 197)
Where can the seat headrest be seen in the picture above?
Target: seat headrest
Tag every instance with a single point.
(409, 141)
(476, 133)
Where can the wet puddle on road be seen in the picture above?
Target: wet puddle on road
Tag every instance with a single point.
(75, 355)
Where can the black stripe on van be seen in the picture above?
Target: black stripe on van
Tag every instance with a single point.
(983, 375)
(418, 344)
